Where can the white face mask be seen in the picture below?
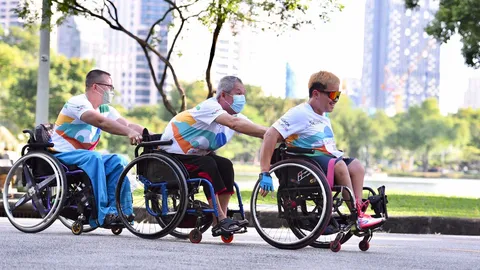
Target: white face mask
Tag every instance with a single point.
(107, 96)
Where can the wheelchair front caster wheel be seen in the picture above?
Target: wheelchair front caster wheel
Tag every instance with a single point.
(364, 245)
(117, 231)
(195, 236)
(77, 228)
(227, 238)
(335, 247)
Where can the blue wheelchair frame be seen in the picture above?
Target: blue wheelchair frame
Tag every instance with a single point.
(149, 145)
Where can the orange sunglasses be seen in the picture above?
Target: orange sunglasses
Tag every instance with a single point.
(334, 96)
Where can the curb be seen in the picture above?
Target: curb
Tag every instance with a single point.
(400, 224)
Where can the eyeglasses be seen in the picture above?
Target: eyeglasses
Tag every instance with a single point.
(109, 85)
(334, 96)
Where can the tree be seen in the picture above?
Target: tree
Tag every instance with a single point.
(25, 39)
(457, 17)
(18, 90)
(471, 149)
(214, 14)
(423, 130)
(382, 128)
(265, 14)
(352, 127)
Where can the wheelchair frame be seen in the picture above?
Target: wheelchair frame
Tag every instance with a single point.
(187, 188)
(74, 189)
(346, 224)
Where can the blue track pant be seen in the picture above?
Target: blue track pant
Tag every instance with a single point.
(104, 172)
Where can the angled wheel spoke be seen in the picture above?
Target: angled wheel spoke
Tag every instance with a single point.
(45, 182)
(24, 199)
(37, 201)
(28, 175)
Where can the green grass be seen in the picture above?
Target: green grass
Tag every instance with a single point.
(431, 205)
(398, 204)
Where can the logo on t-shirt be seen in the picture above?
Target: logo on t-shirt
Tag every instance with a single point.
(216, 111)
(80, 107)
(284, 123)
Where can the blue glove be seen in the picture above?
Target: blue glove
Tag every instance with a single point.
(266, 182)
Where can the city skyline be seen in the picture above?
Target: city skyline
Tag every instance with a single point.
(336, 46)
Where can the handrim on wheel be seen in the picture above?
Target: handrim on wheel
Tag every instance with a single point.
(303, 201)
(155, 196)
(44, 193)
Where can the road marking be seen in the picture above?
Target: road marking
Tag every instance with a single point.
(463, 250)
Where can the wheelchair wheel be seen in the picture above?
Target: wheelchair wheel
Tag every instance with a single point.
(342, 219)
(323, 241)
(45, 193)
(189, 222)
(183, 233)
(159, 195)
(69, 223)
(303, 202)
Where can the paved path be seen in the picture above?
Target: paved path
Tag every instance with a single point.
(57, 248)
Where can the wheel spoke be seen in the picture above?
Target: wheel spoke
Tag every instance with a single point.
(45, 182)
(24, 199)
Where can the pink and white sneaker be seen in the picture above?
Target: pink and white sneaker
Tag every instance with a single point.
(365, 221)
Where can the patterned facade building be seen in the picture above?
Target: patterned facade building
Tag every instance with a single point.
(401, 62)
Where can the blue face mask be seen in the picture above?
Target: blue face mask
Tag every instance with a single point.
(238, 103)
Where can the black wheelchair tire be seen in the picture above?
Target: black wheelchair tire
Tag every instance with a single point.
(63, 189)
(183, 196)
(302, 240)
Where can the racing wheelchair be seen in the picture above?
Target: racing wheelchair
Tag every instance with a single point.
(164, 196)
(52, 190)
(306, 202)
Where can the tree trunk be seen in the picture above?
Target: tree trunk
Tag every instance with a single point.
(367, 157)
(216, 33)
(425, 160)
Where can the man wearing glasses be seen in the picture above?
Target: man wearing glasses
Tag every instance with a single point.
(77, 133)
(308, 126)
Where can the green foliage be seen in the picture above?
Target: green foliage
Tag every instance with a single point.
(420, 136)
(18, 84)
(268, 14)
(457, 17)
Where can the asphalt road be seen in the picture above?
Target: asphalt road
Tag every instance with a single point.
(58, 248)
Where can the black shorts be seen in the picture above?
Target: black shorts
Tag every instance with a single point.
(323, 160)
(217, 170)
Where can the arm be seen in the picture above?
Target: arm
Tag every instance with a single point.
(241, 125)
(94, 118)
(125, 122)
(268, 146)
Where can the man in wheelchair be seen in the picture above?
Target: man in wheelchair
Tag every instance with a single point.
(196, 133)
(307, 126)
(77, 133)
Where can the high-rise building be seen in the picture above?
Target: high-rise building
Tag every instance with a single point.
(8, 18)
(352, 88)
(193, 49)
(401, 62)
(69, 42)
(81, 38)
(124, 59)
(472, 95)
(291, 82)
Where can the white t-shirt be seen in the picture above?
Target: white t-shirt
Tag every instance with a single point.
(304, 128)
(71, 133)
(195, 132)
